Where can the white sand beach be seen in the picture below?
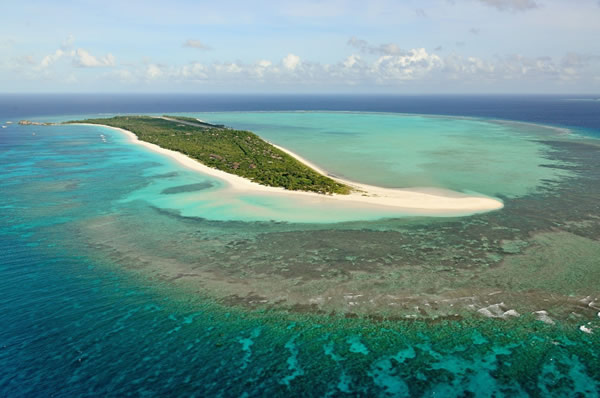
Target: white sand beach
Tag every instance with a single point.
(418, 201)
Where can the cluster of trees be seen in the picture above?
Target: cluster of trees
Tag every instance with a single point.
(235, 151)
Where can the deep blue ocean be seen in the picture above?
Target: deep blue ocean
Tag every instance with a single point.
(74, 324)
(582, 111)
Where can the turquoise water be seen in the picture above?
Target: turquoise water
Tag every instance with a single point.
(400, 151)
(115, 283)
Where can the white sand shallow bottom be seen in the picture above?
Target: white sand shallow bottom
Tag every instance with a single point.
(416, 201)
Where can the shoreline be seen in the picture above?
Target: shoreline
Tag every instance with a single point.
(416, 201)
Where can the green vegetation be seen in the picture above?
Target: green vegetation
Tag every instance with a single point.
(195, 121)
(234, 151)
(183, 118)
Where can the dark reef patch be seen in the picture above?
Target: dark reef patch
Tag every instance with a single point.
(187, 188)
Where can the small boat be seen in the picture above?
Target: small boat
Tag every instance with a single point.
(8, 122)
(3, 127)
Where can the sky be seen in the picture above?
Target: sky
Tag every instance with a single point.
(292, 46)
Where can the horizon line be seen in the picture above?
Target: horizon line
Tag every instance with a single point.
(296, 93)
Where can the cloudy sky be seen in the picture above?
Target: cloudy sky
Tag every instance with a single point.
(374, 46)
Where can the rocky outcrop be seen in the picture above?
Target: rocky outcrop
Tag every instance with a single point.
(30, 123)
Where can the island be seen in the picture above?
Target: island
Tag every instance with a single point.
(30, 123)
(249, 165)
(238, 152)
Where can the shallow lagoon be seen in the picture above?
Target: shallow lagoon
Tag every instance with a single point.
(497, 159)
(402, 151)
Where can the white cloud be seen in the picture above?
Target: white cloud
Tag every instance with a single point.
(262, 67)
(82, 58)
(192, 43)
(414, 64)
(414, 68)
(228, 68)
(153, 71)
(263, 63)
(372, 67)
(469, 68)
(291, 61)
(52, 58)
(352, 61)
(193, 72)
(519, 68)
(58, 54)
